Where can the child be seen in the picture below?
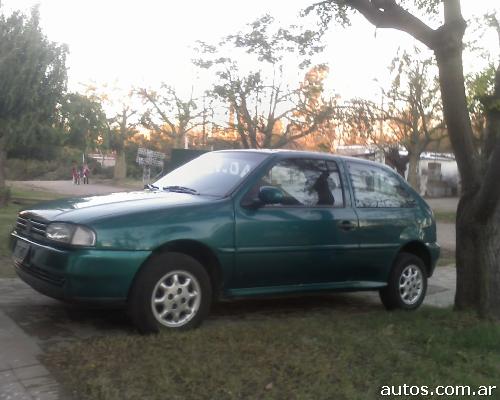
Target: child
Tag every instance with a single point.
(75, 173)
(86, 173)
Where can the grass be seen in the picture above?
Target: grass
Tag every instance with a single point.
(332, 353)
(19, 199)
(28, 197)
(445, 216)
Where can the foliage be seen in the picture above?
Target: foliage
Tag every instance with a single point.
(410, 114)
(340, 11)
(411, 110)
(170, 115)
(32, 79)
(121, 123)
(20, 169)
(82, 122)
(264, 110)
(58, 168)
(133, 169)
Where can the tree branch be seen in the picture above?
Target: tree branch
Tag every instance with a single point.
(388, 14)
(163, 116)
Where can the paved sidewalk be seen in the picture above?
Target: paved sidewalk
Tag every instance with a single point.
(448, 204)
(22, 377)
(446, 235)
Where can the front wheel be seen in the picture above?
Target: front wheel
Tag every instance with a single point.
(407, 284)
(172, 291)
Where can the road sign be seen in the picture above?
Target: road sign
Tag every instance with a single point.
(150, 158)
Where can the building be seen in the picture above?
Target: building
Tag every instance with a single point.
(104, 160)
(438, 172)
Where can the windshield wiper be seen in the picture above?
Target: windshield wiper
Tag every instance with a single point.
(150, 186)
(180, 189)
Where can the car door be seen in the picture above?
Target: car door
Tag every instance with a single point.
(310, 237)
(386, 214)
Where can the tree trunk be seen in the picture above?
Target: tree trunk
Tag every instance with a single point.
(179, 141)
(4, 190)
(477, 239)
(477, 233)
(478, 268)
(120, 165)
(467, 260)
(489, 255)
(413, 169)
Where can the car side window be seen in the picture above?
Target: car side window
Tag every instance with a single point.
(377, 188)
(304, 182)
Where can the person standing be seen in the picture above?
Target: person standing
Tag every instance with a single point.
(75, 173)
(86, 173)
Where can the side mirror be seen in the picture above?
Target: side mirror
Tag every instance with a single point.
(270, 195)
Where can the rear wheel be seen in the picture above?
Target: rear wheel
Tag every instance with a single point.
(407, 285)
(172, 291)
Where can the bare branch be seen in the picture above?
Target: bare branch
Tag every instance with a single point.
(388, 14)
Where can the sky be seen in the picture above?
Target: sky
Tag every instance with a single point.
(129, 43)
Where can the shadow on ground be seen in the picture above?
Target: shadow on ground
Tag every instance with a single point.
(49, 321)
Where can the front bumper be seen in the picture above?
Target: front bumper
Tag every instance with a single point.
(434, 251)
(88, 275)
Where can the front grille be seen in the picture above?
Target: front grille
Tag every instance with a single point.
(42, 274)
(30, 228)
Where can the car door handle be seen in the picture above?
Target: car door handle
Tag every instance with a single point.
(347, 225)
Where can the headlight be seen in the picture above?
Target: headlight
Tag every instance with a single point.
(71, 234)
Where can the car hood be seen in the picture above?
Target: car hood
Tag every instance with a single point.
(86, 209)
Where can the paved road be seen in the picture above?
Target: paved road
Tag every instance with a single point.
(447, 204)
(445, 231)
(446, 235)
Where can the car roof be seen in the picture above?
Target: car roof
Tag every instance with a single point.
(302, 153)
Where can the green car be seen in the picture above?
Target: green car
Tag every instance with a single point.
(233, 224)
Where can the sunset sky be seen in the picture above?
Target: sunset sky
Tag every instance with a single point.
(142, 43)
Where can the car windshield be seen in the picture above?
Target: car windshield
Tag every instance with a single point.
(212, 174)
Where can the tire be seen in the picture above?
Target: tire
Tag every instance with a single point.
(407, 285)
(172, 291)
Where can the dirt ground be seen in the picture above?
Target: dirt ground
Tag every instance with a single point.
(68, 188)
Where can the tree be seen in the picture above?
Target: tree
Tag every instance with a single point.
(32, 82)
(122, 128)
(120, 123)
(410, 114)
(414, 109)
(171, 115)
(478, 85)
(478, 236)
(269, 113)
(481, 84)
(82, 121)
